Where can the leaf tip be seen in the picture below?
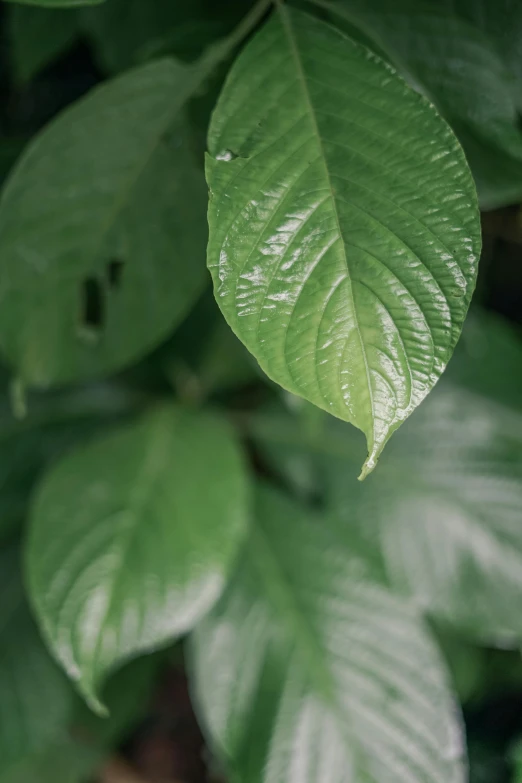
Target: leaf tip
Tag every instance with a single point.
(371, 460)
(367, 468)
(92, 701)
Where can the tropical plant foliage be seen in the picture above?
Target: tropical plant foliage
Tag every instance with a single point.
(173, 472)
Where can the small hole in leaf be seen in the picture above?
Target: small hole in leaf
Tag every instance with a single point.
(92, 304)
(115, 272)
(227, 155)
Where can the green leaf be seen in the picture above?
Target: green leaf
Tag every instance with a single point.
(38, 36)
(497, 175)
(127, 695)
(101, 225)
(65, 761)
(464, 56)
(55, 422)
(35, 699)
(127, 32)
(309, 670)
(488, 360)
(131, 539)
(225, 363)
(81, 747)
(443, 513)
(344, 231)
(10, 149)
(501, 22)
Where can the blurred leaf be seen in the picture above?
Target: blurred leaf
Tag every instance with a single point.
(35, 699)
(129, 32)
(443, 514)
(487, 764)
(498, 176)
(501, 22)
(205, 353)
(309, 670)
(127, 695)
(346, 270)
(225, 363)
(463, 61)
(488, 360)
(65, 761)
(102, 224)
(284, 449)
(132, 537)
(38, 36)
(467, 664)
(54, 423)
(516, 758)
(80, 750)
(10, 149)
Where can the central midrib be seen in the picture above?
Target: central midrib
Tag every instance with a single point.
(278, 582)
(155, 451)
(287, 25)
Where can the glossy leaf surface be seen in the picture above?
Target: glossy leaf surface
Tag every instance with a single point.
(129, 545)
(309, 670)
(100, 231)
(29, 678)
(344, 232)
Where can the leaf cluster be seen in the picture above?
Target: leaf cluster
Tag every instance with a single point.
(174, 471)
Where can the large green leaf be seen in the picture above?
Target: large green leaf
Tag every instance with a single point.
(443, 512)
(344, 231)
(309, 670)
(101, 231)
(38, 36)
(132, 537)
(35, 700)
(464, 55)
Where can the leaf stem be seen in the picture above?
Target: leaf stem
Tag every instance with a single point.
(219, 51)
